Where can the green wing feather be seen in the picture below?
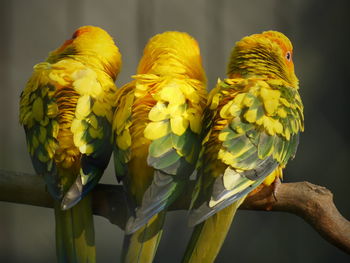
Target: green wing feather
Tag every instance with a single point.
(255, 128)
(67, 114)
(122, 121)
(39, 115)
(173, 128)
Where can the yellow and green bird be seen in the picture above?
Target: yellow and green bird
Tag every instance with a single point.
(252, 125)
(157, 128)
(66, 110)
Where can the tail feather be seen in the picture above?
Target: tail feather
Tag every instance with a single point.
(75, 241)
(141, 246)
(159, 195)
(208, 237)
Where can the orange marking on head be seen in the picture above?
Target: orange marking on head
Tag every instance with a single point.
(77, 33)
(285, 49)
(65, 44)
(80, 31)
(284, 44)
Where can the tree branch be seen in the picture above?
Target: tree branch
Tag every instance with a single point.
(311, 202)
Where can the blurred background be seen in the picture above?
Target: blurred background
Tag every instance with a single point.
(320, 33)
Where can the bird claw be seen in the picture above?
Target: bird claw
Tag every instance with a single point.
(275, 186)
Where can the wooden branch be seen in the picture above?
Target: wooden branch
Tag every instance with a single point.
(311, 202)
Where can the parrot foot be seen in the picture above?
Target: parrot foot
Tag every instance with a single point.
(275, 186)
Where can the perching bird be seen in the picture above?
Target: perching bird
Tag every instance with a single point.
(252, 123)
(157, 126)
(66, 110)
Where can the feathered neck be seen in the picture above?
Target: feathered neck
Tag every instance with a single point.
(172, 53)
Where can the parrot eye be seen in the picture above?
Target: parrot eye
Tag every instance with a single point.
(288, 56)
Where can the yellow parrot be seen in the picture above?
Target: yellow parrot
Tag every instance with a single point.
(66, 109)
(157, 126)
(251, 125)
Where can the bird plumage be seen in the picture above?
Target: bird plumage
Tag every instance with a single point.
(157, 126)
(66, 110)
(252, 125)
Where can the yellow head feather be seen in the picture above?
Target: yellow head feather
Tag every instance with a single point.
(92, 46)
(268, 54)
(174, 52)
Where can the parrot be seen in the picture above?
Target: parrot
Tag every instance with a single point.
(66, 110)
(251, 129)
(157, 126)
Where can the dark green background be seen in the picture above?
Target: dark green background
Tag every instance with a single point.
(319, 31)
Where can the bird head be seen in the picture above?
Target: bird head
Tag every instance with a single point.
(172, 53)
(90, 45)
(268, 54)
